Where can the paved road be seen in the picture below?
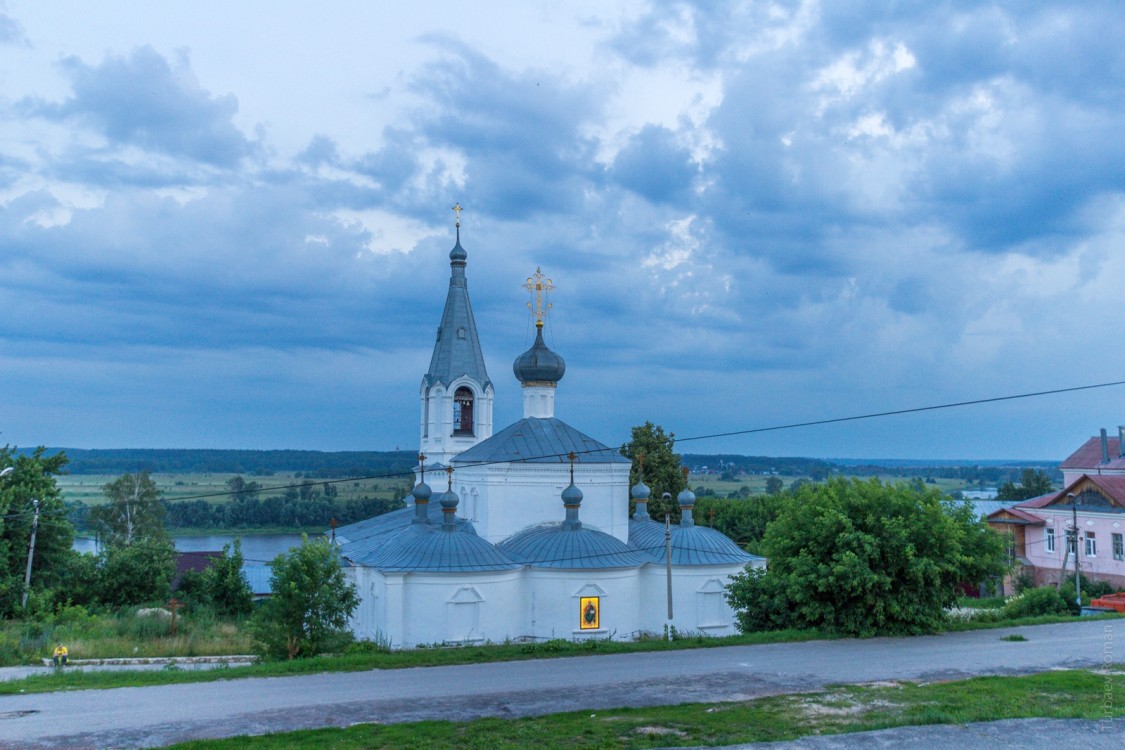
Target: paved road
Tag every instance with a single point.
(149, 717)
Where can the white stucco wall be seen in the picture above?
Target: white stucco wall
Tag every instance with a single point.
(553, 599)
(408, 610)
(504, 499)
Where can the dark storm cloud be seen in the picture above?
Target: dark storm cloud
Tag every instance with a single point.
(140, 100)
(654, 165)
(393, 164)
(520, 132)
(235, 268)
(997, 127)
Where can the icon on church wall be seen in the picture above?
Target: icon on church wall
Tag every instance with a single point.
(590, 613)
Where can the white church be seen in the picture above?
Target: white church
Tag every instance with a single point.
(526, 534)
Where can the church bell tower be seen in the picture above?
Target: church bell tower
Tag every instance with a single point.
(456, 394)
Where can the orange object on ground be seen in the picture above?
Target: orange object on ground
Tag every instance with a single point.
(1115, 602)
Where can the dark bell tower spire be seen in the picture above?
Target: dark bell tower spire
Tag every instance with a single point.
(456, 391)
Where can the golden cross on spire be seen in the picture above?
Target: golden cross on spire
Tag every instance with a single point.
(540, 286)
(457, 210)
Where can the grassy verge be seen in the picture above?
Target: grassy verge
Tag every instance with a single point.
(363, 658)
(1070, 694)
(95, 636)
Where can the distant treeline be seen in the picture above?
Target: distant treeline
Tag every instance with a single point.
(307, 504)
(991, 472)
(254, 463)
(321, 464)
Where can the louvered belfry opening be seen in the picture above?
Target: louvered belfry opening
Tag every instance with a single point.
(463, 411)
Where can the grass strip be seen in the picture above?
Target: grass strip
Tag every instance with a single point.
(1075, 694)
(363, 660)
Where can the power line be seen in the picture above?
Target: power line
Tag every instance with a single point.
(712, 436)
(749, 431)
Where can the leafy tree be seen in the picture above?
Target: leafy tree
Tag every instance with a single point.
(774, 485)
(744, 519)
(662, 471)
(224, 585)
(310, 605)
(1033, 483)
(134, 510)
(32, 478)
(138, 560)
(137, 573)
(865, 558)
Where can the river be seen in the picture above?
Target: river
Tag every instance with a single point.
(257, 549)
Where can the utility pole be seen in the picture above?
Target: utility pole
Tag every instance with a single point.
(1077, 575)
(1067, 541)
(668, 555)
(30, 555)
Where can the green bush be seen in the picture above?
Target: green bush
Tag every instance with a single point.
(1036, 602)
(865, 558)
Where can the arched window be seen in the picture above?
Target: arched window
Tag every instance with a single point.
(463, 411)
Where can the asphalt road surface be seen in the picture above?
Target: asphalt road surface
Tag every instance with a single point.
(155, 716)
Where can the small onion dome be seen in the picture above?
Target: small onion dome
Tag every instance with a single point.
(572, 498)
(458, 254)
(449, 500)
(539, 364)
(686, 500)
(422, 493)
(571, 495)
(641, 492)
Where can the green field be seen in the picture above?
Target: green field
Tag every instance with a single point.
(757, 483)
(213, 487)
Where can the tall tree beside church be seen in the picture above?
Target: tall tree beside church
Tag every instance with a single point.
(134, 510)
(662, 470)
(32, 478)
(138, 560)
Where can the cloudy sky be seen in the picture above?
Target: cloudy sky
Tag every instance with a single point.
(227, 224)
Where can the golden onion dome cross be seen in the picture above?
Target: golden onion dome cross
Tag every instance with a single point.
(457, 210)
(539, 286)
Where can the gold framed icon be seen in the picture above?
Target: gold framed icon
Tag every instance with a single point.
(589, 613)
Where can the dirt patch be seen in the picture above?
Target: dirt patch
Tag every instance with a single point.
(659, 731)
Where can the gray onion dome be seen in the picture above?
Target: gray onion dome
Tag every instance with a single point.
(641, 492)
(572, 495)
(421, 494)
(539, 364)
(449, 500)
(686, 500)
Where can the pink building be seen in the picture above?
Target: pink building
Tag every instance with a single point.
(1093, 502)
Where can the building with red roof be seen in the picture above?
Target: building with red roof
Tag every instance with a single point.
(1040, 528)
